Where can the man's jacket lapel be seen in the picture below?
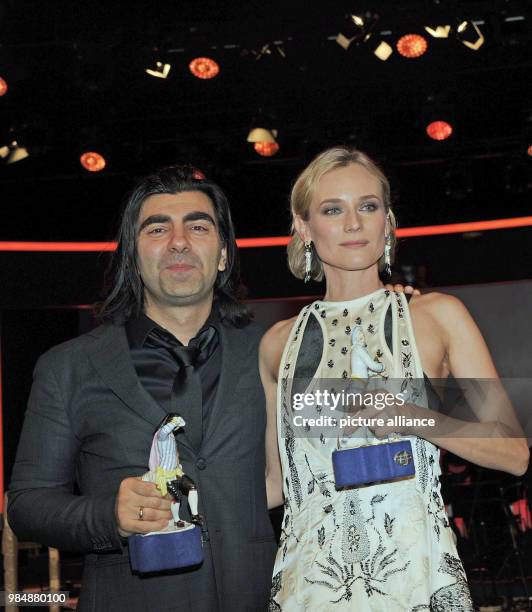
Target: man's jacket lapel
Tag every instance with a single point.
(110, 357)
(234, 352)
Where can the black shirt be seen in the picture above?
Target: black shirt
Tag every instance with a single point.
(157, 368)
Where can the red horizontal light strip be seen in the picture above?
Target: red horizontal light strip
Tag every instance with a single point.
(248, 243)
(460, 228)
(70, 247)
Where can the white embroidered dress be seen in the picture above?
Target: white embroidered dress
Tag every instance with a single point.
(385, 547)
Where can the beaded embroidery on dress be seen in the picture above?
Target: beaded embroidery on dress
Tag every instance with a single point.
(386, 547)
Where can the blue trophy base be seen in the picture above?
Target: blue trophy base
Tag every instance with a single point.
(166, 550)
(374, 463)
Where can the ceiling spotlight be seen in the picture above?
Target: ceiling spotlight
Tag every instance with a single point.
(343, 41)
(441, 31)
(13, 152)
(412, 45)
(356, 29)
(204, 68)
(92, 161)
(261, 135)
(280, 49)
(383, 51)
(469, 34)
(439, 130)
(161, 71)
(3, 87)
(266, 149)
(17, 154)
(264, 141)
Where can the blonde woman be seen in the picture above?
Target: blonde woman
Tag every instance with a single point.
(385, 546)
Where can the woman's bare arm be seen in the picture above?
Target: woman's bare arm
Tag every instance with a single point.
(496, 440)
(270, 353)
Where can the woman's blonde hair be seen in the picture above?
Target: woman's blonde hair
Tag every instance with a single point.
(303, 192)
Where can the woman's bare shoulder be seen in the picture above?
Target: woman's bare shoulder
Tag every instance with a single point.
(438, 304)
(441, 311)
(278, 334)
(273, 343)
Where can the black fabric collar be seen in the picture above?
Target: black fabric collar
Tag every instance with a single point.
(139, 328)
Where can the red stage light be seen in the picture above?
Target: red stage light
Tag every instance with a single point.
(204, 68)
(529, 151)
(3, 87)
(412, 45)
(93, 162)
(266, 149)
(439, 130)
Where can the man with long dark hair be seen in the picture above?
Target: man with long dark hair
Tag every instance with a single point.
(174, 339)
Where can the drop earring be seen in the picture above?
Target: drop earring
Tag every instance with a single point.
(387, 256)
(308, 261)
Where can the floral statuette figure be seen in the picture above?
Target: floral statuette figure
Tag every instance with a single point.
(362, 365)
(167, 473)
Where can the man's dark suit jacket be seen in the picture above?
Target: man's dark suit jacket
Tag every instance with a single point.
(89, 421)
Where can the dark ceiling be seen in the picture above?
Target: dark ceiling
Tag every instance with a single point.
(75, 72)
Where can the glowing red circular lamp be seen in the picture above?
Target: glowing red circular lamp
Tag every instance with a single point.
(412, 45)
(3, 87)
(439, 130)
(92, 161)
(204, 68)
(529, 150)
(266, 149)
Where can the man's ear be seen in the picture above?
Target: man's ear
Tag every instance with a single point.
(302, 229)
(223, 260)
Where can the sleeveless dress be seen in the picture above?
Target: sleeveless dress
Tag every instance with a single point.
(385, 547)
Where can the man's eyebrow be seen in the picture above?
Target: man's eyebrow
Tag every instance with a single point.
(199, 216)
(154, 219)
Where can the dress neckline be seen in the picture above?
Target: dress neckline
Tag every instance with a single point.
(357, 300)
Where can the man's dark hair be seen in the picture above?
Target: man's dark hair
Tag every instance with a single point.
(124, 287)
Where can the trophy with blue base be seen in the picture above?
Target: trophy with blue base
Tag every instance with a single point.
(375, 461)
(179, 544)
